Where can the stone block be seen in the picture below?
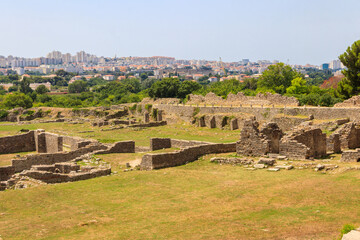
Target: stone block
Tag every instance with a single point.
(267, 161)
(273, 169)
(259, 166)
(353, 235)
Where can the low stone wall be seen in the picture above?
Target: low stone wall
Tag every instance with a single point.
(151, 124)
(76, 142)
(26, 162)
(120, 147)
(50, 177)
(351, 156)
(163, 160)
(18, 143)
(176, 143)
(186, 112)
(159, 143)
(162, 143)
(6, 172)
(260, 99)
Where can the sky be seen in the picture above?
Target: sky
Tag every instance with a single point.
(298, 31)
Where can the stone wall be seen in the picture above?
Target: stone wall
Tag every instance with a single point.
(163, 160)
(349, 136)
(151, 124)
(304, 143)
(273, 133)
(240, 98)
(26, 162)
(186, 112)
(176, 143)
(50, 177)
(18, 143)
(120, 147)
(351, 156)
(351, 102)
(49, 143)
(159, 143)
(252, 142)
(6, 172)
(333, 143)
(76, 142)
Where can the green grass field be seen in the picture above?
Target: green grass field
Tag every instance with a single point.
(200, 200)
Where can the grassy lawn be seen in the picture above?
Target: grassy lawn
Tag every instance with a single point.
(201, 200)
(141, 137)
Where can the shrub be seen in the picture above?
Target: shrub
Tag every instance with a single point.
(3, 113)
(18, 100)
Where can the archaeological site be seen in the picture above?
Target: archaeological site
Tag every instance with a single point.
(267, 138)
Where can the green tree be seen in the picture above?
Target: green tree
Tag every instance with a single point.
(62, 73)
(166, 88)
(298, 86)
(350, 85)
(277, 77)
(2, 90)
(188, 87)
(41, 89)
(17, 100)
(13, 88)
(78, 86)
(25, 86)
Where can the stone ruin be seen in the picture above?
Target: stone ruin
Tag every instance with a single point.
(51, 164)
(351, 102)
(240, 98)
(254, 142)
(131, 121)
(349, 134)
(304, 143)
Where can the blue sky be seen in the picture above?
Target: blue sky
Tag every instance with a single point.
(303, 31)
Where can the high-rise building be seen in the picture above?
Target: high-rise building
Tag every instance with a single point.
(335, 65)
(325, 66)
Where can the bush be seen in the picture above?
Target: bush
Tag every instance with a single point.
(18, 100)
(3, 113)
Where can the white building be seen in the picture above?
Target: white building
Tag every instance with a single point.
(213, 79)
(108, 77)
(335, 65)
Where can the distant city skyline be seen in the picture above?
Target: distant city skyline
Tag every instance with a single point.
(302, 32)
